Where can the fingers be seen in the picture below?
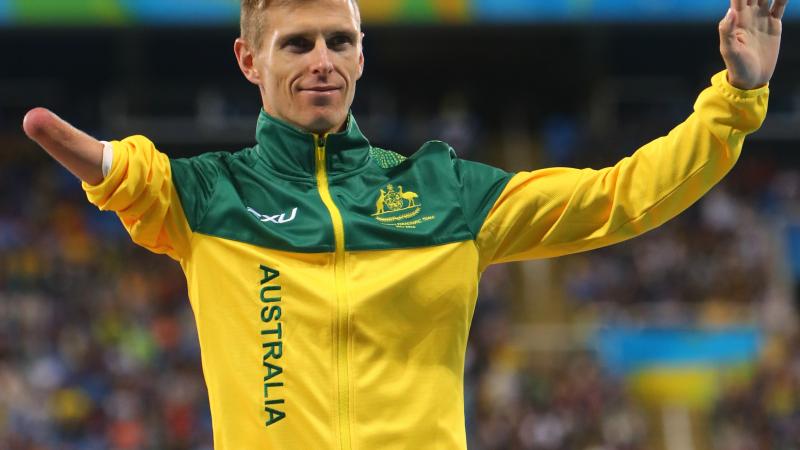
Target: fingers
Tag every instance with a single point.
(778, 8)
(726, 25)
(738, 5)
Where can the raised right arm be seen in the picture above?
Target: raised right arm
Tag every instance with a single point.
(78, 152)
(138, 185)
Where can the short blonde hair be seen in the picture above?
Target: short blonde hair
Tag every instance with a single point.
(251, 20)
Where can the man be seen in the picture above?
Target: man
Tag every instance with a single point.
(332, 282)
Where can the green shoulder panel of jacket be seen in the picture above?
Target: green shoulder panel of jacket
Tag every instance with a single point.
(267, 195)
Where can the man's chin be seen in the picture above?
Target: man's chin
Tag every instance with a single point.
(325, 123)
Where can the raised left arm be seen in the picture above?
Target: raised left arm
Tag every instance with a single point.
(556, 211)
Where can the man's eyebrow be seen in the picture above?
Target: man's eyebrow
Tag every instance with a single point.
(293, 35)
(342, 32)
(353, 34)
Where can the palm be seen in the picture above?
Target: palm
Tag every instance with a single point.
(750, 38)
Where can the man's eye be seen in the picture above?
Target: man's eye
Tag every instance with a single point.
(299, 44)
(339, 41)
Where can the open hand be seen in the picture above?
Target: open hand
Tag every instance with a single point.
(750, 37)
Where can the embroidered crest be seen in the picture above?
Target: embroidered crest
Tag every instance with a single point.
(395, 207)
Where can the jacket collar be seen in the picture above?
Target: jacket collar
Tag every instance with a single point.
(291, 151)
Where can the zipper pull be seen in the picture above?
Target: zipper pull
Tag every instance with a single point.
(319, 151)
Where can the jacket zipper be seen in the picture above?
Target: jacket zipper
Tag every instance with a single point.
(343, 391)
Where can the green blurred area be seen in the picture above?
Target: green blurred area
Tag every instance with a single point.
(120, 12)
(72, 12)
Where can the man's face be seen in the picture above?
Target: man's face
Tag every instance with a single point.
(308, 64)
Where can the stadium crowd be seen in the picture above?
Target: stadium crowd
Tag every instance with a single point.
(723, 263)
(98, 348)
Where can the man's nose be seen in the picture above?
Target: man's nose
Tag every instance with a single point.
(321, 63)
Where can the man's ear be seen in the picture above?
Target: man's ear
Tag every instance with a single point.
(361, 59)
(245, 56)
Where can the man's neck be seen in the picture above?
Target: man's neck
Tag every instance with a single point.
(320, 130)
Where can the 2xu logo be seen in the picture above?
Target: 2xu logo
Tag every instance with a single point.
(278, 218)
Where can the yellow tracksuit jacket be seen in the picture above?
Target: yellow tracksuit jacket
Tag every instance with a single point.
(333, 283)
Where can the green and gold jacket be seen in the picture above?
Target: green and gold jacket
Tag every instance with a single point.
(333, 283)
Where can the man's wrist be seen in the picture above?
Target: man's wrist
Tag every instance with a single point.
(722, 82)
(742, 86)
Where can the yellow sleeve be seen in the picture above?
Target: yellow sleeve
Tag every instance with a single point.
(557, 211)
(139, 189)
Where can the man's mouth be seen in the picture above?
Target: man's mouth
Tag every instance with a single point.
(321, 89)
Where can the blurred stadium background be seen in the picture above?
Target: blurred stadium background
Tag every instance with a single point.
(684, 339)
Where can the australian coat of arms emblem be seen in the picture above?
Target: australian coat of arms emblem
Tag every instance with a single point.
(399, 208)
(394, 204)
